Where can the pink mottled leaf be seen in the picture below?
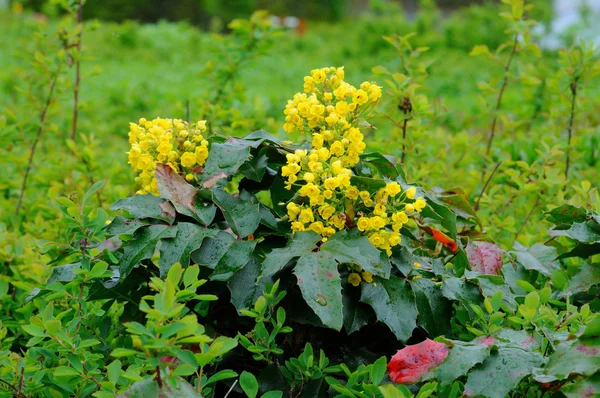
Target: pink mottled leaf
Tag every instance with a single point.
(485, 257)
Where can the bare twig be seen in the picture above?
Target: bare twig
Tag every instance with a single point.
(38, 136)
(501, 94)
(537, 201)
(187, 111)
(403, 141)
(486, 184)
(77, 83)
(18, 393)
(573, 87)
(230, 389)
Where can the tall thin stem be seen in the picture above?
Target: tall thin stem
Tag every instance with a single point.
(77, 82)
(38, 136)
(501, 94)
(573, 87)
(403, 157)
(485, 185)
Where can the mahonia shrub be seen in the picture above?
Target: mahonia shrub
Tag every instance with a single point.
(304, 270)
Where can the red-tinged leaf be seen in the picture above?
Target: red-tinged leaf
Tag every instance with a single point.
(413, 362)
(485, 257)
(486, 341)
(441, 237)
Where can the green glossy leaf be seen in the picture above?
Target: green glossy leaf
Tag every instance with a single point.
(124, 226)
(501, 372)
(462, 357)
(146, 206)
(179, 249)
(228, 157)
(236, 256)
(378, 370)
(142, 247)
(243, 285)
(586, 277)
(566, 214)
(354, 248)
(213, 249)
(435, 311)
(242, 215)
(583, 388)
(113, 371)
(394, 304)
(319, 281)
(574, 357)
(301, 243)
(538, 257)
(585, 232)
(249, 384)
(221, 375)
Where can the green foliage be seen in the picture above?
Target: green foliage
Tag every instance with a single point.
(204, 291)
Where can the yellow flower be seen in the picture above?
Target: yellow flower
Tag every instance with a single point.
(392, 189)
(337, 148)
(363, 224)
(411, 192)
(188, 159)
(309, 177)
(354, 279)
(367, 276)
(420, 204)
(409, 207)
(331, 183)
(316, 227)
(377, 222)
(306, 216)
(144, 162)
(360, 97)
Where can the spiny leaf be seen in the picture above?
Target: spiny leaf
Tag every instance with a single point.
(394, 303)
(319, 282)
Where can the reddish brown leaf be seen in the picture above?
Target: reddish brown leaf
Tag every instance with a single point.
(413, 362)
(441, 237)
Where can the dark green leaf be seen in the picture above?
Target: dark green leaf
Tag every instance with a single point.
(462, 357)
(244, 287)
(574, 357)
(435, 311)
(236, 256)
(228, 157)
(146, 206)
(242, 215)
(300, 244)
(394, 304)
(142, 247)
(583, 280)
(583, 388)
(585, 232)
(354, 248)
(212, 249)
(538, 257)
(501, 372)
(179, 249)
(124, 226)
(319, 282)
(566, 214)
(582, 250)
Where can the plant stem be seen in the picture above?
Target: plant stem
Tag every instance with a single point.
(37, 138)
(501, 94)
(77, 69)
(158, 379)
(573, 87)
(230, 389)
(485, 185)
(403, 141)
(537, 201)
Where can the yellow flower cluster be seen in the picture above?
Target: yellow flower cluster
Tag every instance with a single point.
(332, 110)
(170, 141)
